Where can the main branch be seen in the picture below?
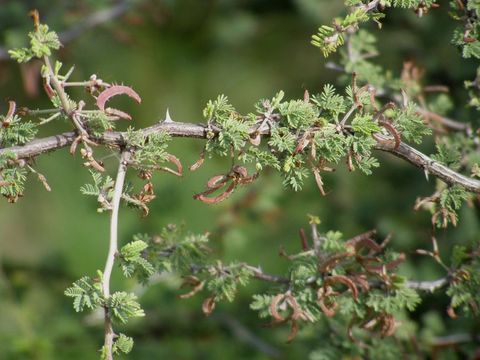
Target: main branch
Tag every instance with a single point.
(177, 129)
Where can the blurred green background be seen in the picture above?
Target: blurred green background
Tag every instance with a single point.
(178, 54)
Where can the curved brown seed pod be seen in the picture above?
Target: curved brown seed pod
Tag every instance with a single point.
(350, 161)
(389, 266)
(342, 279)
(392, 131)
(196, 288)
(175, 161)
(389, 105)
(95, 164)
(319, 182)
(389, 326)
(367, 243)
(297, 312)
(216, 182)
(44, 182)
(366, 235)
(293, 331)
(451, 312)
(350, 331)
(361, 280)
(370, 323)
(328, 310)
(249, 179)
(199, 162)
(115, 112)
(189, 280)
(306, 96)
(274, 307)
(240, 170)
(11, 109)
(202, 197)
(330, 262)
(115, 90)
(302, 143)
(74, 145)
(208, 305)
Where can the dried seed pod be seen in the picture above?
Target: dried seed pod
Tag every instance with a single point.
(44, 182)
(208, 305)
(195, 283)
(240, 170)
(174, 160)
(202, 196)
(342, 279)
(11, 111)
(249, 179)
(306, 96)
(333, 260)
(330, 309)
(297, 311)
(318, 181)
(389, 325)
(274, 307)
(388, 266)
(145, 174)
(216, 182)
(293, 331)
(303, 143)
(392, 131)
(118, 113)
(451, 312)
(112, 91)
(115, 90)
(199, 162)
(361, 279)
(364, 241)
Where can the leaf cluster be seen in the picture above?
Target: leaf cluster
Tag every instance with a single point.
(42, 42)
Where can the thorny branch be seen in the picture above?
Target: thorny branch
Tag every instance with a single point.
(199, 131)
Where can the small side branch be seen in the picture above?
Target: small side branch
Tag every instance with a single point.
(112, 250)
(430, 286)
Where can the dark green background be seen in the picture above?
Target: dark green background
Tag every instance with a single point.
(178, 55)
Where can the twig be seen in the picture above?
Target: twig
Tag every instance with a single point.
(454, 339)
(430, 286)
(57, 86)
(260, 275)
(112, 250)
(446, 122)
